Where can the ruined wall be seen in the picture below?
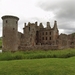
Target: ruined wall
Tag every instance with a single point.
(66, 41)
(48, 35)
(29, 37)
(34, 37)
(71, 40)
(39, 47)
(45, 36)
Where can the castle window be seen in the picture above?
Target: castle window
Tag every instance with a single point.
(46, 38)
(39, 33)
(13, 28)
(46, 33)
(16, 22)
(29, 28)
(42, 38)
(43, 33)
(4, 36)
(50, 33)
(72, 43)
(6, 21)
(50, 38)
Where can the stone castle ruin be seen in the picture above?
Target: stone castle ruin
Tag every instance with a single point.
(34, 37)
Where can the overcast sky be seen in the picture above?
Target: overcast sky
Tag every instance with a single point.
(63, 11)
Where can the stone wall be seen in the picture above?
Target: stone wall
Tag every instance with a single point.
(10, 33)
(34, 37)
(38, 47)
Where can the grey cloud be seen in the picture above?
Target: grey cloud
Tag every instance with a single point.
(67, 31)
(67, 27)
(62, 9)
(64, 12)
(33, 20)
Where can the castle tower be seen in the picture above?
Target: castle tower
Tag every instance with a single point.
(55, 31)
(41, 25)
(55, 25)
(10, 33)
(48, 25)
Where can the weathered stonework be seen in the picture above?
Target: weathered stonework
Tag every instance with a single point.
(34, 37)
(10, 33)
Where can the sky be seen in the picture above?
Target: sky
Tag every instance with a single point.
(63, 11)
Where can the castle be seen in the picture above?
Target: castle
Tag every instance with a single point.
(34, 37)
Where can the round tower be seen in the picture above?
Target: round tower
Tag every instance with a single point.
(10, 33)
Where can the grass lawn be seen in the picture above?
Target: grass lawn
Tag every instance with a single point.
(56, 62)
(46, 66)
(37, 54)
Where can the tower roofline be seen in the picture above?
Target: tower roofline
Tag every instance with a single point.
(48, 25)
(55, 25)
(9, 16)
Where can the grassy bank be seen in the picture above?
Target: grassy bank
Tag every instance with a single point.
(56, 62)
(49, 66)
(37, 54)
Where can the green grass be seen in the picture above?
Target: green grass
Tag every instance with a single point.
(56, 62)
(47, 66)
(37, 54)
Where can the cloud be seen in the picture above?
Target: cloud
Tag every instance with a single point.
(64, 12)
(62, 9)
(68, 27)
(41, 11)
